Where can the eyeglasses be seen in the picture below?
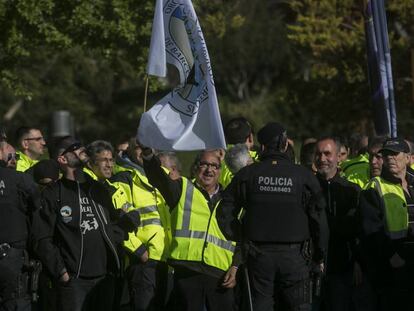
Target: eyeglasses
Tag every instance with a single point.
(13, 156)
(205, 165)
(40, 138)
(72, 148)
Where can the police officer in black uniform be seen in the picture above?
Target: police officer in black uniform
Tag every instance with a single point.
(283, 209)
(19, 201)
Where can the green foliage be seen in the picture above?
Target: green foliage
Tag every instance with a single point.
(109, 27)
(300, 62)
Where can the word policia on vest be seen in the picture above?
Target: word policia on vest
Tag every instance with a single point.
(275, 184)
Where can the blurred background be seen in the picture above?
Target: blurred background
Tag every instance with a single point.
(299, 62)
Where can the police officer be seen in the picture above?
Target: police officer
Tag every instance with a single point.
(19, 201)
(284, 208)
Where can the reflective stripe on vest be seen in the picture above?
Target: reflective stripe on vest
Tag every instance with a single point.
(153, 221)
(196, 235)
(148, 209)
(396, 214)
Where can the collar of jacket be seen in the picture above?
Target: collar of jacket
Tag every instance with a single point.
(336, 178)
(126, 162)
(273, 155)
(216, 196)
(395, 180)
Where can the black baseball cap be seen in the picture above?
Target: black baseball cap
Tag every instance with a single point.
(67, 144)
(395, 145)
(270, 131)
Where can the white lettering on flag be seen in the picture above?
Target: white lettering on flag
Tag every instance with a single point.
(188, 118)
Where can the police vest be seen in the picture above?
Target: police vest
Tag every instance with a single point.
(395, 207)
(24, 162)
(196, 235)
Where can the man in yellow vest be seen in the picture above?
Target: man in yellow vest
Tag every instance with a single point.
(147, 272)
(387, 209)
(375, 157)
(356, 167)
(32, 146)
(203, 259)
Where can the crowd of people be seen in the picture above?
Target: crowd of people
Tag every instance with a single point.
(93, 227)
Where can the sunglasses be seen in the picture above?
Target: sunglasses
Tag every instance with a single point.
(72, 148)
(13, 156)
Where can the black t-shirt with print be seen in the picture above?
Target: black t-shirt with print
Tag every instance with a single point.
(94, 257)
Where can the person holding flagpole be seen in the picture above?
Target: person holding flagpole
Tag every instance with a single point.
(205, 262)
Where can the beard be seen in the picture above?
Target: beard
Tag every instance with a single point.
(75, 162)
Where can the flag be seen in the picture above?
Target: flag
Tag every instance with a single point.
(379, 69)
(188, 118)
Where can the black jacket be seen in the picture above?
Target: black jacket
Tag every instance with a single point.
(283, 203)
(19, 203)
(60, 241)
(342, 199)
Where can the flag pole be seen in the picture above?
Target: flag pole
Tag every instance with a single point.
(146, 92)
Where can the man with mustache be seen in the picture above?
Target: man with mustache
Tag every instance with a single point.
(204, 267)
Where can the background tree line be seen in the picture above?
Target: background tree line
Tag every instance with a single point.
(300, 62)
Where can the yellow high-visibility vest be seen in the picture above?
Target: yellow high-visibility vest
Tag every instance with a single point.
(196, 235)
(395, 205)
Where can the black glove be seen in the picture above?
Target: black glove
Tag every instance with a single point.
(130, 221)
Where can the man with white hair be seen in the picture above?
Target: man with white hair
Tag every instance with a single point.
(237, 157)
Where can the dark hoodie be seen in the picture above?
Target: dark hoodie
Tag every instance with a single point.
(82, 244)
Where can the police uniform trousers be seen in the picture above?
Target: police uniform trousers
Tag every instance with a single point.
(194, 291)
(279, 277)
(13, 281)
(148, 284)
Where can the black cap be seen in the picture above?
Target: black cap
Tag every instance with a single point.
(270, 131)
(46, 169)
(66, 144)
(395, 145)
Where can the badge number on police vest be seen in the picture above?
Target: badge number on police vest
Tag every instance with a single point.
(274, 184)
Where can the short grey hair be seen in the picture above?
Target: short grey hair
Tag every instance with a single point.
(237, 157)
(172, 158)
(98, 146)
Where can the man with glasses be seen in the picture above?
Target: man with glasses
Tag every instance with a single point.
(80, 233)
(147, 270)
(19, 203)
(387, 208)
(375, 157)
(203, 259)
(32, 146)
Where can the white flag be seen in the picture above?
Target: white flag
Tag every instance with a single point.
(188, 118)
